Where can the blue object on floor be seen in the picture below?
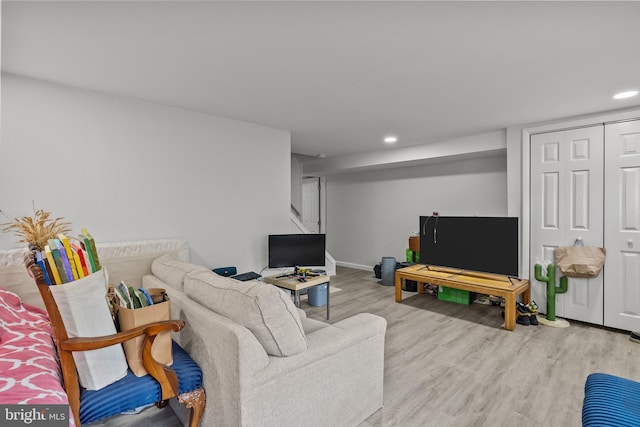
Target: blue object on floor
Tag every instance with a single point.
(611, 401)
(318, 295)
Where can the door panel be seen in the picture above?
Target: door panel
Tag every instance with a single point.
(622, 232)
(580, 200)
(566, 204)
(580, 297)
(551, 199)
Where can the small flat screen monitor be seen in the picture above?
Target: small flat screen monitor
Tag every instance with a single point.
(296, 250)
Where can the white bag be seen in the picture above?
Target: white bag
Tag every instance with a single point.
(85, 311)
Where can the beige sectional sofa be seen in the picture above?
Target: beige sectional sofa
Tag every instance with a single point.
(264, 362)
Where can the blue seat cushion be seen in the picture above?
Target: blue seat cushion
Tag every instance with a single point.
(611, 401)
(131, 392)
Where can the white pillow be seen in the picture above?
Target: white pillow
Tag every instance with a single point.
(172, 270)
(260, 307)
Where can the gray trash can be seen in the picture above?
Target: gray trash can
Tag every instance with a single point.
(388, 271)
(318, 295)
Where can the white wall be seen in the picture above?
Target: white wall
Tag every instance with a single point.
(296, 184)
(372, 214)
(482, 145)
(129, 170)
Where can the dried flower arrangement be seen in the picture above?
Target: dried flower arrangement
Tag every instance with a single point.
(36, 230)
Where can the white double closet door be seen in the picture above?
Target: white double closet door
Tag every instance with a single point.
(585, 184)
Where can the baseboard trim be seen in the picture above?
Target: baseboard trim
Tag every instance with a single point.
(356, 266)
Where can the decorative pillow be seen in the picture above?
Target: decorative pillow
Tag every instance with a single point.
(172, 270)
(260, 307)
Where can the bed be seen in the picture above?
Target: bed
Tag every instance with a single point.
(29, 370)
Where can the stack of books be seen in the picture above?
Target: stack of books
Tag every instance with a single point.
(65, 260)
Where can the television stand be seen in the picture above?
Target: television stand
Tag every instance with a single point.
(484, 283)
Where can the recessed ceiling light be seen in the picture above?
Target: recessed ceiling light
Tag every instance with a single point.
(624, 95)
(390, 139)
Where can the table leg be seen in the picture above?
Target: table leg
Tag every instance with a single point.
(296, 298)
(510, 312)
(420, 287)
(526, 296)
(398, 288)
(328, 293)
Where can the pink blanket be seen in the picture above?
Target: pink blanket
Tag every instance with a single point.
(29, 369)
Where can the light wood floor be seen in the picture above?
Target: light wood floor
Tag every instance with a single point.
(448, 364)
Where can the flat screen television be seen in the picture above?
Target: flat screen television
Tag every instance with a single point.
(485, 244)
(296, 250)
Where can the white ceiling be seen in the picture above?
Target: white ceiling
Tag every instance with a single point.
(340, 75)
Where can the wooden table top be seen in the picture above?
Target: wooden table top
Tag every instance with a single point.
(423, 274)
(292, 283)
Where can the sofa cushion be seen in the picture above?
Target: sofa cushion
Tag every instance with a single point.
(260, 307)
(172, 270)
(134, 392)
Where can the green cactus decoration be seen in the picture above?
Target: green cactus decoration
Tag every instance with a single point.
(552, 290)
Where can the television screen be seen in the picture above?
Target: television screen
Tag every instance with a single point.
(486, 244)
(296, 250)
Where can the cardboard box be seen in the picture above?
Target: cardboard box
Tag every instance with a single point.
(414, 243)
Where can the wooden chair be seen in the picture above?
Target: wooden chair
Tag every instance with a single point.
(182, 380)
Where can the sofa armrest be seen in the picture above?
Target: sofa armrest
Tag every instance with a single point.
(326, 343)
(365, 324)
(337, 381)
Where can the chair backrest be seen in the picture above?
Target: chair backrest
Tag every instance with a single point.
(67, 363)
